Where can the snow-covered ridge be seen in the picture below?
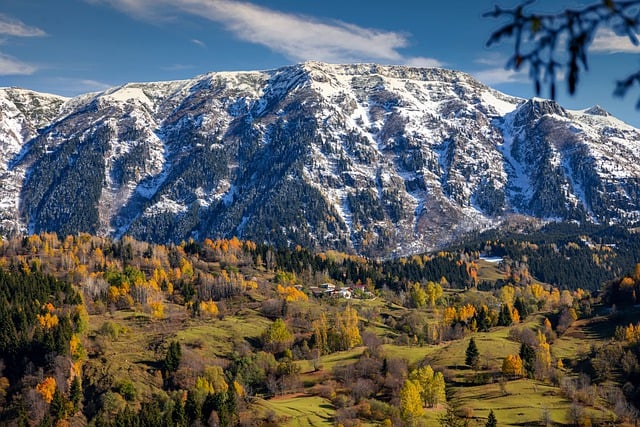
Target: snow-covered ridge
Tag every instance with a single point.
(379, 159)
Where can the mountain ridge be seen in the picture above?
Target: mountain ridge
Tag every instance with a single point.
(375, 159)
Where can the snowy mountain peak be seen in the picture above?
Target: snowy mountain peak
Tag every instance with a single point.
(538, 107)
(597, 110)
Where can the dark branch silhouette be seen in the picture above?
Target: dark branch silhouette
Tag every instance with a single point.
(557, 43)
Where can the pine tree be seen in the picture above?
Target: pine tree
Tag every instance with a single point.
(521, 307)
(491, 420)
(528, 356)
(173, 357)
(505, 319)
(472, 355)
(58, 407)
(75, 393)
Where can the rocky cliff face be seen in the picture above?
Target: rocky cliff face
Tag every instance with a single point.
(381, 160)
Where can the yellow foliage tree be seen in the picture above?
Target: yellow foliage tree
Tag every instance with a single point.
(76, 349)
(209, 308)
(186, 269)
(240, 391)
(345, 332)
(47, 389)
(320, 331)
(434, 293)
(515, 316)
(216, 378)
(512, 366)
(48, 321)
(537, 291)
(632, 333)
(466, 312)
(410, 401)
(507, 294)
(449, 315)
(431, 385)
(291, 294)
(113, 293)
(157, 309)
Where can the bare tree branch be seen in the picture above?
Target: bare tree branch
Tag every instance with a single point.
(558, 43)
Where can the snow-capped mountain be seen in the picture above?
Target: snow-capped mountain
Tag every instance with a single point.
(376, 159)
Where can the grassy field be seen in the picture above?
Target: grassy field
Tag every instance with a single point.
(298, 411)
(520, 402)
(489, 271)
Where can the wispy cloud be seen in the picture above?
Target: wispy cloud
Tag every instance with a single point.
(198, 42)
(10, 27)
(91, 85)
(12, 66)
(298, 37)
(494, 71)
(13, 27)
(67, 86)
(494, 76)
(607, 41)
(177, 67)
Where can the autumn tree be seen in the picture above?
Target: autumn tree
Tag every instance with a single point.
(431, 385)
(512, 366)
(434, 293)
(418, 295)
(291, 294)
(410, 402)
(47, 388)
(320, 333)
(345, 333)
(472, 355)
(277, 337)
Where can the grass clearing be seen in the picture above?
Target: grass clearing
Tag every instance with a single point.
(299, 411)
(493, 347)
(489, 271)
(217, 336)
(412, 354)
(526, 402)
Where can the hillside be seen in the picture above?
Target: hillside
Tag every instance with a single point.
(108, 333)
(375, 160)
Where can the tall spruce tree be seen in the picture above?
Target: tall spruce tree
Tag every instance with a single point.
(173, 357)
(472, 355)
(491, 420)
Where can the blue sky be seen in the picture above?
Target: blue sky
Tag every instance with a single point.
(70, 47)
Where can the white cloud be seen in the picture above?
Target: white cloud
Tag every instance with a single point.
(16, 28)
(496, 73)
(91, 85)
(10, 27)
(177, 67)
(198, 42)
(493, 76)
(420, 61)
(297, 37)
(13, 66)
(68, 86)
(607, 41)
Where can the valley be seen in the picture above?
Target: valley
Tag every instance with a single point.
(225, 333)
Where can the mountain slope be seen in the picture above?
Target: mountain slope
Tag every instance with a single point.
(380, 160)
